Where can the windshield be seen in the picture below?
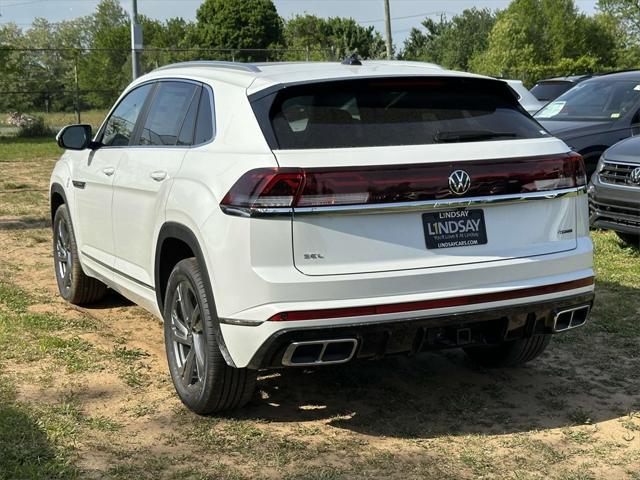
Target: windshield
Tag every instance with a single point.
(398, 111)
(594, 101)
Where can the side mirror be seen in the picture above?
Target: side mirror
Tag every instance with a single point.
(74, 137)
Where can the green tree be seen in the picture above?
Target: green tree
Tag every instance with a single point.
(331, 38)
(106, 68)
(238, 24)
(622, 18)
(451, 43)
(539, 38)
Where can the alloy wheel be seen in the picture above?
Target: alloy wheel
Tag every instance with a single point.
(187, 335)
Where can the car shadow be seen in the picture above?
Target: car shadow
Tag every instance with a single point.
(25, 223)
(26, 450)
(445, 393)
(111, 299)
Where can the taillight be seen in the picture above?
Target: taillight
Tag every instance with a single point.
(265, 188)
(285, 188)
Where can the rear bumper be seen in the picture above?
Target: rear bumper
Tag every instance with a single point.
(410, 336)
(261, 345)
(614, 207)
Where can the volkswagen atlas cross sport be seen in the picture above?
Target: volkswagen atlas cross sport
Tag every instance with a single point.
(307, 214)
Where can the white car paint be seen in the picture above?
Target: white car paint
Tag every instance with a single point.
(528, 101)
(254, 273)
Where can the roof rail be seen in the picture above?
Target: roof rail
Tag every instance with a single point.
(245, 67)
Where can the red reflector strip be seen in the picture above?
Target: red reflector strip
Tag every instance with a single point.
(431, 304)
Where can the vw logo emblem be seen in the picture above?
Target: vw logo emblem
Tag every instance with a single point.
(634, 177)
(459, 182)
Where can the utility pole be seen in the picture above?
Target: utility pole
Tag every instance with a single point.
(77, 85)
(136, 41)
(387, 29)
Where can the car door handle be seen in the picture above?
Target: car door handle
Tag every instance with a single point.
(108, 171)
(158, 175)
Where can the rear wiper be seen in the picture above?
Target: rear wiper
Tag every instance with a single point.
(470, 136)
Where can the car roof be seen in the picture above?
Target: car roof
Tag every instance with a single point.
(259, 76)
(567, 79)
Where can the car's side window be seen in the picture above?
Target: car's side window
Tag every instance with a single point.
(169, 107)
(119, 127)
(204, 122)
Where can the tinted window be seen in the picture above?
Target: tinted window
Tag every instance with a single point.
(189, 124)
(594, 100)
(119, 127)
(204, 124)
(546, 91)
(167, 113)
(403, 111)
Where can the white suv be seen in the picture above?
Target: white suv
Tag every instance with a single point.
(297, 214)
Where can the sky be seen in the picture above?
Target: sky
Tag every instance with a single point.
(404, 13)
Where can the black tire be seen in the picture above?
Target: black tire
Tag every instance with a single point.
(630, 239)
(509, 354)
(203, 380)
(73, 284)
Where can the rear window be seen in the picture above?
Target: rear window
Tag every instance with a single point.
(400, 111)
(547, 91)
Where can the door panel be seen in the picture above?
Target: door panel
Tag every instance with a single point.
(138, 205)
(94, 174)
(145, 172)
(93, 180)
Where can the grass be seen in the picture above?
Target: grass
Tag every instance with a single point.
(28, 149)
(84, 393)
(57, 120)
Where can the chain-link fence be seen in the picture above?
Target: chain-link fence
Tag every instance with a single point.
(66, 85)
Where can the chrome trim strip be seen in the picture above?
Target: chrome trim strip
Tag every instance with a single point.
(241, 323)
(118, 272)
(402, 207)
(614, 162)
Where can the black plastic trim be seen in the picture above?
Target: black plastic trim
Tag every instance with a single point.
(173, 230)
(525, 319)
(118, 272)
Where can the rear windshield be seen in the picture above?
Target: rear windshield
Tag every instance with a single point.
(547, 91)
(401, 111)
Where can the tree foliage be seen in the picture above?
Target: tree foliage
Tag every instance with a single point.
(622, 18)
(539, 38)
(335, 37)
(528, 40)
(238, 24)
(451, 43)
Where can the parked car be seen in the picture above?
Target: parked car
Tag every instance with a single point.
(595, 114)
(530, 103)
(551, 88)
(308, 214)
(614, 191)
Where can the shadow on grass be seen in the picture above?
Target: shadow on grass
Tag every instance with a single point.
(112, 299)
(25, 224)
(587, 375)
(25, 450)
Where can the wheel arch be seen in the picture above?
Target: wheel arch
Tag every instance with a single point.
(176, 240)
(57, 197)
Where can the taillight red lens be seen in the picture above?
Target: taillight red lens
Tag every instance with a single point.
(265, 188)
(291, 187)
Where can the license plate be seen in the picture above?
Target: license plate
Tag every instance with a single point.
(454, 228)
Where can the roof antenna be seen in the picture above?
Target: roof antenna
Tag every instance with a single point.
(351, 60)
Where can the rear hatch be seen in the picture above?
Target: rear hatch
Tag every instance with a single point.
(395, 174)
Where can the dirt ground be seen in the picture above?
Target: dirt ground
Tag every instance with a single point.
(94, 385)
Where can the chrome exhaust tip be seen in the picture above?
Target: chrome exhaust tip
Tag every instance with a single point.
(571, 318)
(319, 352)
